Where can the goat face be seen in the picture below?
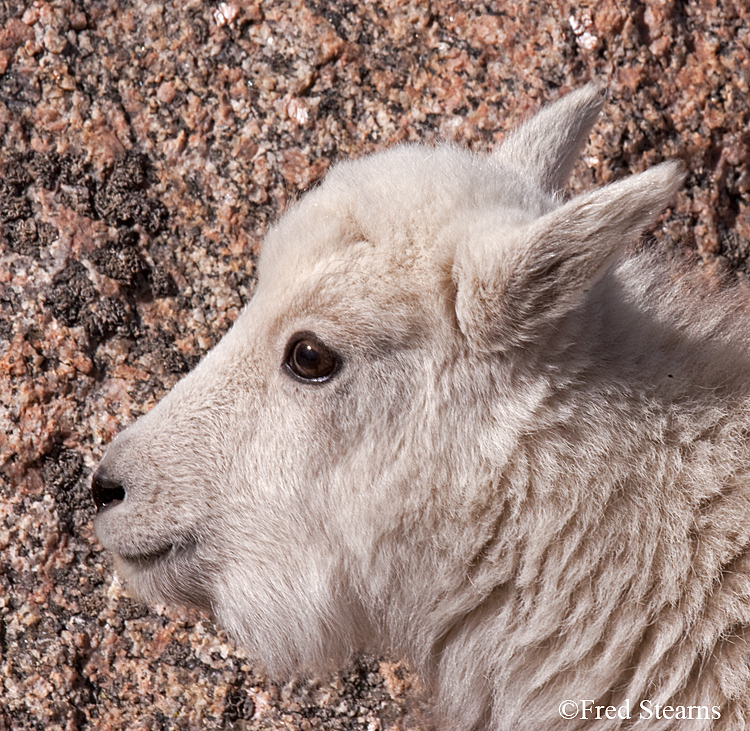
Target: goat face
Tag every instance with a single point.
(325, 479)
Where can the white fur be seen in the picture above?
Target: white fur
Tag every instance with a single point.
(529, 476)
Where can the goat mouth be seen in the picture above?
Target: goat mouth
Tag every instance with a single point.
(148, 559)
(144, 560)
(173, 573)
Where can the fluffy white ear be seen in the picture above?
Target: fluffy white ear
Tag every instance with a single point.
(545, 148)
(512, 285)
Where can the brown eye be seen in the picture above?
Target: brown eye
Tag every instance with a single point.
(310, 360)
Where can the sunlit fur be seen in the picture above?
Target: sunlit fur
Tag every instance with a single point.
(529, 477)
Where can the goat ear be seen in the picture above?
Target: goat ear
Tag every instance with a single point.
(511, 286)
(546, 147)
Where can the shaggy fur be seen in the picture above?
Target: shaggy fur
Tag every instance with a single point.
(528, 475)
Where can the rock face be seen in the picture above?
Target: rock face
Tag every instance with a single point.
(145, 147)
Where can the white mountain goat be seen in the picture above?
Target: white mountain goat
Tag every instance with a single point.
(458, 424)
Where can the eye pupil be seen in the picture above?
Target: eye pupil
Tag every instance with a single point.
(310, 360)
(306, 357)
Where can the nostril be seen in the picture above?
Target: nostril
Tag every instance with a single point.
(105, 489)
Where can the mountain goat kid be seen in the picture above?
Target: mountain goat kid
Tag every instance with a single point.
(457, 424)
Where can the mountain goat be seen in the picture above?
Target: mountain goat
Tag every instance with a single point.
(458, 423)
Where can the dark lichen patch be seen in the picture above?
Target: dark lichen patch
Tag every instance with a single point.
(121, 263)
(21, 236)
(64, 478)
(71, 292)
(178, 654)
(238, 703)
(77, 198)
(28, 236)
(122, 199)
(161, 282)
(159, 348)
(44, 169)
(14, 173)
(13, 204)
(46, 233)
(74, 301)
(131, 609)
(131, 173)
(350, 702)
(735, 250)
(105, 317)
(124, 260)
(6, 326)
(61, 469)
(74, 170)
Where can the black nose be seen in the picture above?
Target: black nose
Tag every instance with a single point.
(105, 489)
